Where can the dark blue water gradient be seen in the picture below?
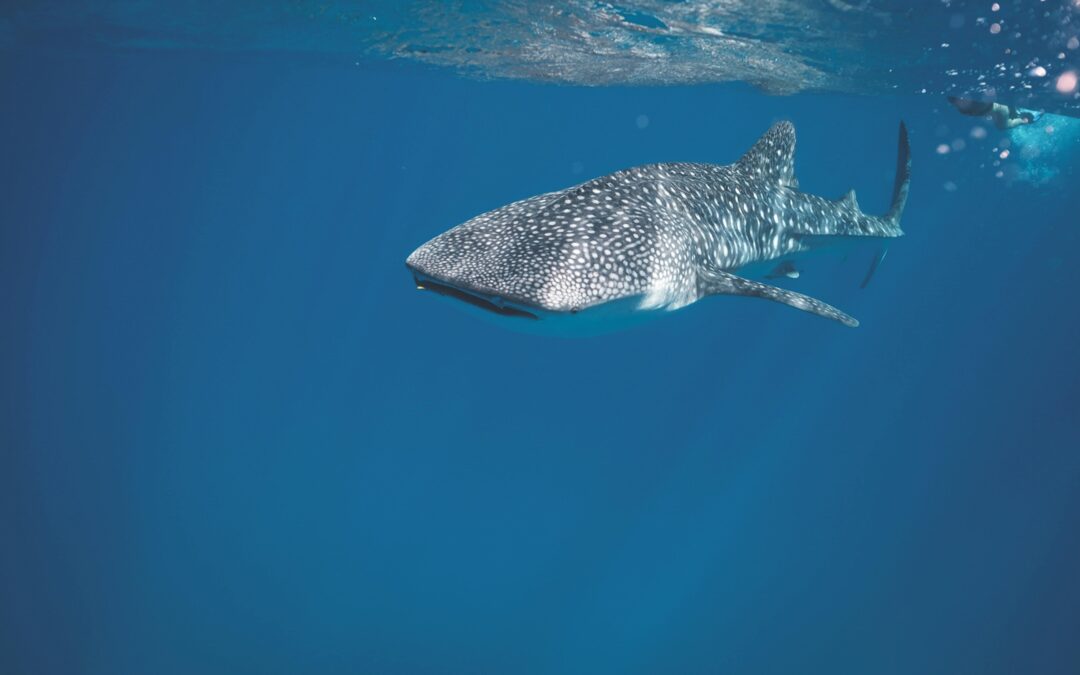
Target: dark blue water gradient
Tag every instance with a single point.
(235, 438)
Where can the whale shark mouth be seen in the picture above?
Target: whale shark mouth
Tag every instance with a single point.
(486, 303)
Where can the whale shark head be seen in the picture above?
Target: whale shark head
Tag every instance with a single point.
(477, 264)
(536, 257)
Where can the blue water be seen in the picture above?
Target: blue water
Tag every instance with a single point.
(235, 439)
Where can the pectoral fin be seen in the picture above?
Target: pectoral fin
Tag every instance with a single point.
(719, 282)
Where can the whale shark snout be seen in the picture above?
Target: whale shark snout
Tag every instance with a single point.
(487, 303)
(471, 264)
(443, 265)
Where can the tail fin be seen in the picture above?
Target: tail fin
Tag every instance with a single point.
(903, 177)
(899, 199)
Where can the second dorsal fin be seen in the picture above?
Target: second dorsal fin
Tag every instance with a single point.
(773, 156)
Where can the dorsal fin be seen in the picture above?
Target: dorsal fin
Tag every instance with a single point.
(773, 156)
(849, 200)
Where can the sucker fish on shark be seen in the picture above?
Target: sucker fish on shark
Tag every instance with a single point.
(655, 238)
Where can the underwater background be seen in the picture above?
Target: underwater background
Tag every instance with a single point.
(234, 438)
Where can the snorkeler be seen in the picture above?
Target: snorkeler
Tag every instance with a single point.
(1004, 116)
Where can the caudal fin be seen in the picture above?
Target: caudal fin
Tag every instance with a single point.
(903, 178)
(899, 200)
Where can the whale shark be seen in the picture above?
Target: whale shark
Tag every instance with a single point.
(656, 238)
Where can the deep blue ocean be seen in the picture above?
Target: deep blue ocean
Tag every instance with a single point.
(234, 437)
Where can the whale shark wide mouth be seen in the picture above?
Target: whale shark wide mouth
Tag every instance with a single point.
(484, 302)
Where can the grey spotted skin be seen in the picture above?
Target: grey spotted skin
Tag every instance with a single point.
(654, 238)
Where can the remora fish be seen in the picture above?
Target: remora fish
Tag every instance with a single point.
(655, 238)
